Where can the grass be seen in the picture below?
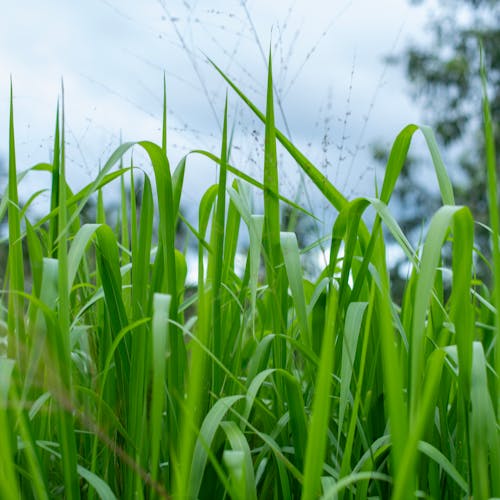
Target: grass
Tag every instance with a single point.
(276, 386)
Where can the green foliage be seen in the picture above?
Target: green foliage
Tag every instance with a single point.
(275, 386)
(444, 76)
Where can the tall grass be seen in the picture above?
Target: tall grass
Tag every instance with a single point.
(275, 386)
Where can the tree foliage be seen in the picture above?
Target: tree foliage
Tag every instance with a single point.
(443, 73)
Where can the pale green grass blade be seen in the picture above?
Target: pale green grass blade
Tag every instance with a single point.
(352, 328)
(100, 486)
(394, 228)
(35, 254)
(293, 266)
(483, 432)
(77, 250)
(255, 225)
(316, 438)
(178, 183)
(161, 307)
(234, 462)
(48, 296)
(332, 492)
(445, 186)
(209, 427)
(431, 256)
(244, 473)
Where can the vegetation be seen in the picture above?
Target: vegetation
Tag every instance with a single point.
(276, 386)
(443, 75)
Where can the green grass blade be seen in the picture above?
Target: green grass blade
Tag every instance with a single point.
(208, 429)
(444, 463)
(215, 258)
(352, 328)
(15, 319)
(9, 486)
(316, 438)
(493, 207)
(431, 256)
(161, 307)
(243, 476)
(291, 257)
(63, 361)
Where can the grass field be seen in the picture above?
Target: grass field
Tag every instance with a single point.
(272, 386)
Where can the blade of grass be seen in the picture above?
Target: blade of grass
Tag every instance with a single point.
(15, 318)
(316, 437)
(161, 307)
(493, 207)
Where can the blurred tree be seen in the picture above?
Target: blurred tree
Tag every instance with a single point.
(443, 73)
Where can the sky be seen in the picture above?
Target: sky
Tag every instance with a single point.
(334, 93)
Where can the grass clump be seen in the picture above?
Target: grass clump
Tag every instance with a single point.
(276, 386)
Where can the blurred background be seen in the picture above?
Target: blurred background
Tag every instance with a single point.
(349, 75)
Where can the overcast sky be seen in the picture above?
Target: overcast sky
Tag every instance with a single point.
(335, 92)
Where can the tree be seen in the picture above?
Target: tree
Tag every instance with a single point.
(444, 77)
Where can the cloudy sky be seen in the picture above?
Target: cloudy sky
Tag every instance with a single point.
(335, 95)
